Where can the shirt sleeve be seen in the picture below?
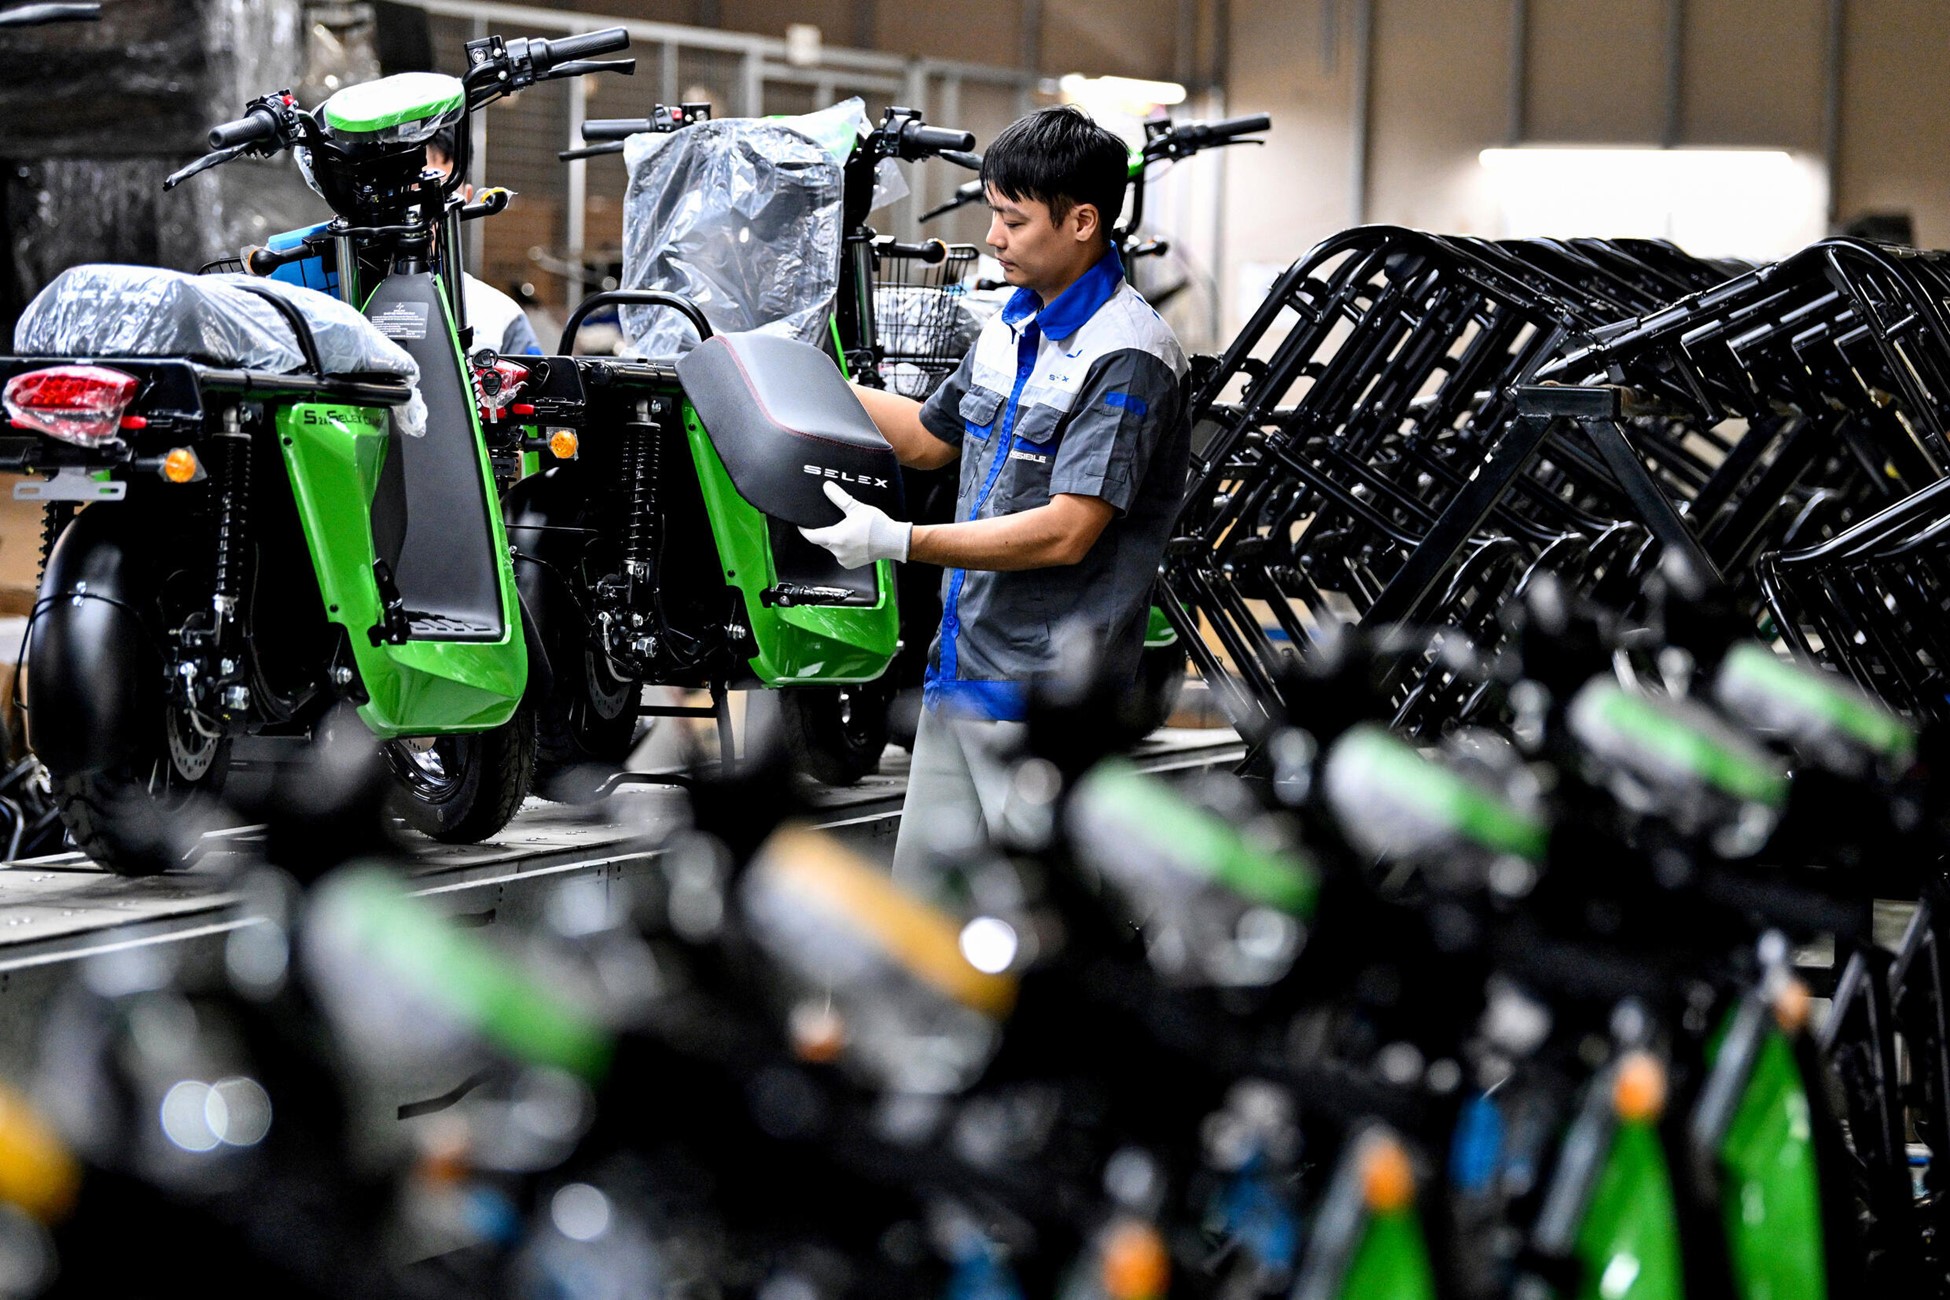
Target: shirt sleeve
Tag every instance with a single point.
(941, 413)
(520, 340)
(1127, 402)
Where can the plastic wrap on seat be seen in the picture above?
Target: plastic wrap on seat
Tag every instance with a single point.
(743, 217)
(104, 310)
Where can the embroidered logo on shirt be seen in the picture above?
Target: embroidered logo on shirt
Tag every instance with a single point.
(1029, 456)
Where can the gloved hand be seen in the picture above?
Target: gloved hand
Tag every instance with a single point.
(865, 535)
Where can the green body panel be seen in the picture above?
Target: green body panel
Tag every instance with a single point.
(1736, 774)
(1201, 843)
(839, 348)
(805, 645)
(473, 984)
(1392, 1261)
(1628, 1242)
(400, 100)
(1446, 797)
(1771, 1202)
(1158, 631)
(423, 688)
(1826, 696)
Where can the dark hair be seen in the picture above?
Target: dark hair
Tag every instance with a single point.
(442, 141)
(1060, 157)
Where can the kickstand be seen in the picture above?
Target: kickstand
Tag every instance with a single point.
(727, 741)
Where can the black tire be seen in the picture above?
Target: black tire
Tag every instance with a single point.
(585, 727)
(463, 789)
(142, 817)
(1161, 676)
(835, 734)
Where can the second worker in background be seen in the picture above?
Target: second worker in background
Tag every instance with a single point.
(1065, 416)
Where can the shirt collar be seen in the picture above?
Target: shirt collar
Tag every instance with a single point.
(1066, 314)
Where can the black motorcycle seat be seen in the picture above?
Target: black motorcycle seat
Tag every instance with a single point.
(785, 423)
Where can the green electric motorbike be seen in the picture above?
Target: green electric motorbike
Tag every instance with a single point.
(665, 550)
(239, 544)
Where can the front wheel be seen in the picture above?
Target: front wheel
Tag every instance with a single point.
(140, 817)
(835, 734)
(463, 789)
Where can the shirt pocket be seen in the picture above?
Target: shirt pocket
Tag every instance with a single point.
(1032, 455)
(978, 409)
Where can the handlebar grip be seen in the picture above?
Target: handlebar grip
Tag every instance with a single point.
(614, 128)
(263, 261)
(586, 46)
(1231, 126)
(931, 251)
(918, 141)
(254, 126)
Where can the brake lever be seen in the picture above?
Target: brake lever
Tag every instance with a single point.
(1176, 150)
(968, 192)
(585, 67)
(590, 151)
(961, 158)
(489, 203)
(203, 164)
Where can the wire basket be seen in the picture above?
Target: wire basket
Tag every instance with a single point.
(920, 313)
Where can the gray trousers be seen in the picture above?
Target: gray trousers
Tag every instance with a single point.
(954, 790)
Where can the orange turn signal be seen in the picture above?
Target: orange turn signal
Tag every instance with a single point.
(37, 1171)
(818, 1033)
(180, 466)
(1135, 1264)
(1387, 1177)
(562, 444)
(1792, 1006)
(1638, 1092)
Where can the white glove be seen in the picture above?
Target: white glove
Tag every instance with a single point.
(865, 535)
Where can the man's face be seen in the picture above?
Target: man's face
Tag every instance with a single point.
(1037, 253)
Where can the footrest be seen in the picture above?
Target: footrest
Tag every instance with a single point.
(441, 627)
(788, 594)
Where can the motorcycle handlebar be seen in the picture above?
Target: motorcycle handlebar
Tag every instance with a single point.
(263, 261)
(614, 128)
(37, 15)
(547, 54)
(1229, 128)
(932, 251)
(253, 127)
(921, 141)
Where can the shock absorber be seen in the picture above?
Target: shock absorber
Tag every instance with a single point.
(54, 518)
(643, 463)
(232, 484)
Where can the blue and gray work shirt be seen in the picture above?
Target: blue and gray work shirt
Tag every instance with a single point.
(1082, 397)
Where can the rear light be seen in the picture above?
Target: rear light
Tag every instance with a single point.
(498, 383)
(78, 404)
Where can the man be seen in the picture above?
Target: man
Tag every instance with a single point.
(1065, 416)
(498, 320)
